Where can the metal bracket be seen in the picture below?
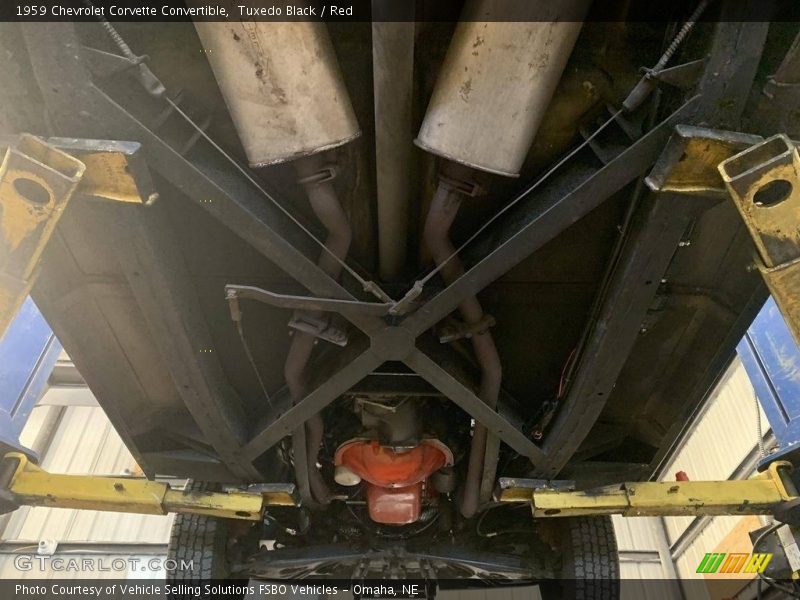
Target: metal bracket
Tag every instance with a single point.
(343, 307)
(105, 64)
(764, 182)
(684, 76)
(37, 180)
(324, 175)
(304, 320)
(516, 489)
(115, 170)
(689, 163)
(319, 327)
(408, 302)
(36, 183)
(273, 494)
(471, 189)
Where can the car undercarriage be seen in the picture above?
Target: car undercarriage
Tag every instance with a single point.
(400, 264)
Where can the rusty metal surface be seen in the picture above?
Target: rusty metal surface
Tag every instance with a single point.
(464, 121)
(225, 206)
(26, 484)
(689, 163)
(36, 183)
(764, 182)
(115, 170)
(764, 494)
(282, 85)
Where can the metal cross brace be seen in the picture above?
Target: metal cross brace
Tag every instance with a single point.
(397, 342)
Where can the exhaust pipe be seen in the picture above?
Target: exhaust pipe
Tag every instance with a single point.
(466, 124)
(317, 180)
(286, 96)
(444, 207)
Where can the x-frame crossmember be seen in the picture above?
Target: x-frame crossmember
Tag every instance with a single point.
(397, 342)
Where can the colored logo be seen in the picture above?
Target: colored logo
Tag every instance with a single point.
(720, 562)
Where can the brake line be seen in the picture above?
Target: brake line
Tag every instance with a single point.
(771, 529)
(251, 360)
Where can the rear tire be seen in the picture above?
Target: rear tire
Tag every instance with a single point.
(590, 561)
(198, 544)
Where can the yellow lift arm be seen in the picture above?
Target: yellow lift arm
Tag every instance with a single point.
(23, 483)
(36, 183)
(38, 180)
(767, 493)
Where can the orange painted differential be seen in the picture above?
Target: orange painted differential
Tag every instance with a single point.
(394, 479)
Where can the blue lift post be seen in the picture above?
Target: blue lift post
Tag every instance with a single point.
(771, 358)
(28, 352)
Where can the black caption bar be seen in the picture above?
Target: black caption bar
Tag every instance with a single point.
(385, 10)
(312, 589)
